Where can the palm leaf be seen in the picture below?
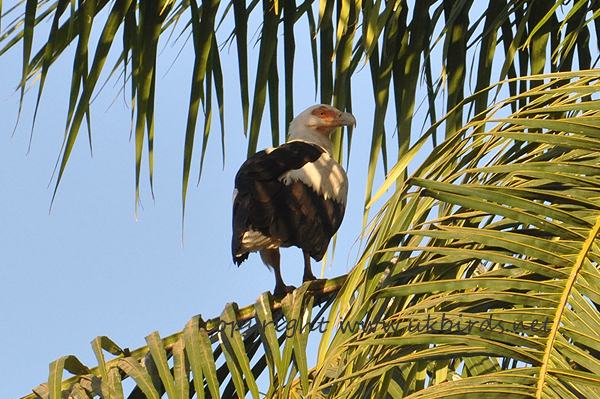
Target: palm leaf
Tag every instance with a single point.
(397, 40)
(505, 274)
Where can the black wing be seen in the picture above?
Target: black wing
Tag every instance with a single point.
(293, 214)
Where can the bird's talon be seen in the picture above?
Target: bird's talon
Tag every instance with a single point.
(283, 290)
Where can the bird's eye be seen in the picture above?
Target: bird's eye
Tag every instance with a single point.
(321, 113)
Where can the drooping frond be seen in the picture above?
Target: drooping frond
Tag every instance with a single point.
(451, 46)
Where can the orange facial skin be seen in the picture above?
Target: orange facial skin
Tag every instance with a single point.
(331, 118)
(325, 114)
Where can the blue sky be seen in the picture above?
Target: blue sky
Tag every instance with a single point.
(89, 268)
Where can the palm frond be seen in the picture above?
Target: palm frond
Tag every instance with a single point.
(397, 40)
(483, 266)
(225, 355)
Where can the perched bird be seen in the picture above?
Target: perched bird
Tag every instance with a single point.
(292, 195)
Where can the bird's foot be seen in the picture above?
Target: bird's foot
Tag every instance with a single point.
(308, 277)
(283, 289)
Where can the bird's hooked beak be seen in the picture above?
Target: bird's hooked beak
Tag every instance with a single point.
(346, 119)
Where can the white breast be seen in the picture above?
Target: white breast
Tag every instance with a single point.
(325, 176)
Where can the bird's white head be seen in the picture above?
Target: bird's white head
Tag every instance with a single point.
(316, 123)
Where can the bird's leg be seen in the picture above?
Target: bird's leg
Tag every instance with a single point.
(308, 274)
(272, 258)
